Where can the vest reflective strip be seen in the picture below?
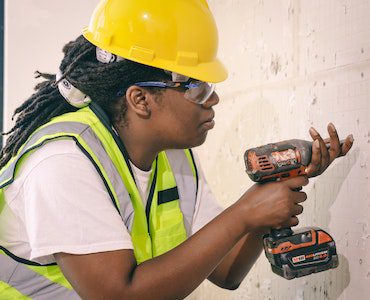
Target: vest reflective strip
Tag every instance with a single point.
(123, 200)
(53, 273)
(8, 292)
(31, 284)
(94, 144)
(74, 127)
(186, 185)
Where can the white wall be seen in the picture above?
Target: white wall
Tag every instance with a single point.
(296, 64)
(293, 64)
(35, 33)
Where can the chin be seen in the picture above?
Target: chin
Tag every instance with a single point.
(195, 142)
(201, 141)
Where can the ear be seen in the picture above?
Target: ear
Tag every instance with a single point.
(137, 100)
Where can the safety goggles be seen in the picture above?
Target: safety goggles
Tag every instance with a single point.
(195, 91)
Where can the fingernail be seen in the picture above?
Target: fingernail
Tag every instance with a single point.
(351, 138)
(313, 130)
(316, 143)
(332, 127)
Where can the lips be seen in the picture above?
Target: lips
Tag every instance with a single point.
(210, 118)
(209, 123)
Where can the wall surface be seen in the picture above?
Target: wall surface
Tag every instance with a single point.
(35, 33)
(293, 64)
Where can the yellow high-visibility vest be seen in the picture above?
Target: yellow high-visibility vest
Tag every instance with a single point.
(154, 229)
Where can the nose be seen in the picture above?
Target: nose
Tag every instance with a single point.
(211, 101)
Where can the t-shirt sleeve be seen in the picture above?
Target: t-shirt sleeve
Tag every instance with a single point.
(206, 208)
(68, 209)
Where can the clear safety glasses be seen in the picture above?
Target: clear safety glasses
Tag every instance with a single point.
(195, 91)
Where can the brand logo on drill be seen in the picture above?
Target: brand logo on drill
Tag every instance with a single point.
(298, 258)
(285, 158)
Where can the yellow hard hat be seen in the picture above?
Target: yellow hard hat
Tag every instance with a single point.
(175, 35)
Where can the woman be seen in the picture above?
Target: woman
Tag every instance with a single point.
(101, 196)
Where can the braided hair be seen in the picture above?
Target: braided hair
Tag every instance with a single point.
(101, 82)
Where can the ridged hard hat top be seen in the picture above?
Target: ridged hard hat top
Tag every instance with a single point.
(176, 35)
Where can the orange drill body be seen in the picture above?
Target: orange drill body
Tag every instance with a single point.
(278, 161)
(291, 253)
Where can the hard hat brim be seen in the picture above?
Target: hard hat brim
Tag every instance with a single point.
(213, 71)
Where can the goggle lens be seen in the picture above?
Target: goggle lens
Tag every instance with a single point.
(195, 91)
(199, 91)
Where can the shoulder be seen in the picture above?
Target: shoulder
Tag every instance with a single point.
(53, 151)
(53, 160)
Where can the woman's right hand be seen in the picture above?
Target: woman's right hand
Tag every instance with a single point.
(273, 204)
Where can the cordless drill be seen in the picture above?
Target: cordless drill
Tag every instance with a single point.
(291, 253)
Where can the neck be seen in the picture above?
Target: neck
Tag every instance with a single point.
(141, 148)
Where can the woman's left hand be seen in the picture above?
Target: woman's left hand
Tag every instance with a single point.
(322, 157)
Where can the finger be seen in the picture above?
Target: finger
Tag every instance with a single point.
(297, 210)
(325, 157)
(299, 197)
(296, 182)
(293, 221)
(314, 166)
(347, 145)
(334, 150)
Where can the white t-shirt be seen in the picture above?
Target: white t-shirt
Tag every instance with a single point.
(58, 203)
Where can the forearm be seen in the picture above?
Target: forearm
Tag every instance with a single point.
(238, 262)
(181, 270)
(175, 274)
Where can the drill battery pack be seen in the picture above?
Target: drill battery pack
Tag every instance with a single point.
(305, 251)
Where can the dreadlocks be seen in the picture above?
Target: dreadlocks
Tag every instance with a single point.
(99, 81)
